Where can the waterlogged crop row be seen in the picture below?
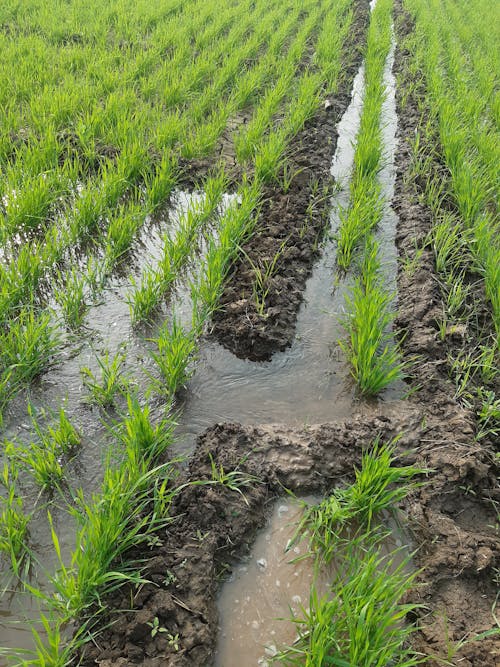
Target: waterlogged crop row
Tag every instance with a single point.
(375, 361)
(360, 620)
(110, 209)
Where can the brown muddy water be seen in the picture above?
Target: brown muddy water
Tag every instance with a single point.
(257, 604)
(309, 383)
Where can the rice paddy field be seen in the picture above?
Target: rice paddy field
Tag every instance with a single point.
(249, 333)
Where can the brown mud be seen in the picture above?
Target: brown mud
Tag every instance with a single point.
(460, 549)
(291, 224)
(216, 526)
(452, 516)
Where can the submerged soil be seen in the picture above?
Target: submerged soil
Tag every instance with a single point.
(291, 224)
(452, 516)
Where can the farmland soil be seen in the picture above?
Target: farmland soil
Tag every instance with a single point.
(215, 526)
(459, 545)
(286, 227)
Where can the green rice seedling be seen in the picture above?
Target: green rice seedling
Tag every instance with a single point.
(269, 158)
(52, 646)
(450, 244)
(487, 363)
(159, 185)
(43, 462)
(141, 440)
(70, 295)
(234, 480)
(28, 209)
(488, 414)
(14, 520)
(176, 348)
(363, 214)
(28, 346)
(488, 262)
(375, 361)
(121, 232)
(361, 621)
(457, 294)
(143, 300)
(379, 486)
(62, 436)
(105, 389)
(263, 273)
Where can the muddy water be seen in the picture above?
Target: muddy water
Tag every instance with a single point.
(256, 606)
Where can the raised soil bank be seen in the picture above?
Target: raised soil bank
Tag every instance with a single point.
(237, 324)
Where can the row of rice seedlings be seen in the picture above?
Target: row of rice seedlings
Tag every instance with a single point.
(365, 207)
(156, 282)
(361, 618)
(86, 215)
(177, 344)
(248, 138)
(43, 460)
(464, 237)
(479, 38)
(374, 358)
(212, 55)
(117, 241)
(468, 144)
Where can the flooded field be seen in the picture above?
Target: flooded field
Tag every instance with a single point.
(248, 254)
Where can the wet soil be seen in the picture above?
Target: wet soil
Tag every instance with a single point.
(291, 224)
(215, 526)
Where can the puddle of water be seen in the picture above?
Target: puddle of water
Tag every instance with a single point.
(256, 605)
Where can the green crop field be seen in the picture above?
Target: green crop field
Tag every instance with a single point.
(172, 226)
